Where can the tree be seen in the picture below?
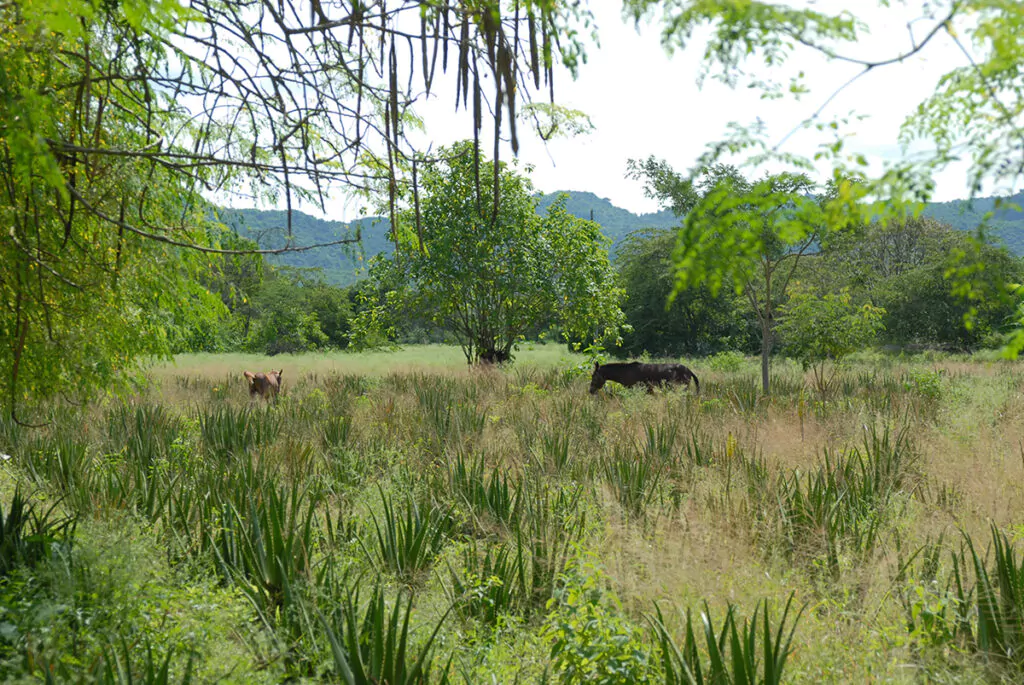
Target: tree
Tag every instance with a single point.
(902, 266)
(822, 329)
(118, 118)
(236, 277)
(973, 115)
(923, 306)
(751, 235)
(693, 322)
(296, 310)
(489, 269)
(886, 249)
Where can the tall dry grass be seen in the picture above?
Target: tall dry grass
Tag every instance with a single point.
(527, 522)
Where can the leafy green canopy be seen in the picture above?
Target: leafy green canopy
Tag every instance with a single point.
(296, 310)
(751, 235)
(81, 297)
(901, 266)
(818, 329)
(118, 118)
(975, 113)
(695, 322)
(489, 278)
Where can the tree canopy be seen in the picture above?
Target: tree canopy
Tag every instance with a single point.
(819, 329)
(750, 234)
(490, 277)
(693, 322)
(973, 115)
(119, 120)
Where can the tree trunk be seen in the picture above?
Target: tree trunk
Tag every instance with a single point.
(766, 350)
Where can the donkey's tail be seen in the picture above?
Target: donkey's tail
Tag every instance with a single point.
(696, 383)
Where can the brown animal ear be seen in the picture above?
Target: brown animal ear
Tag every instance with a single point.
(596, 366)
(249, 376)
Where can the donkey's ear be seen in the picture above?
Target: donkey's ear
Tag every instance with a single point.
(596, 366)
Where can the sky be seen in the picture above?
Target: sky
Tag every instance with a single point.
(643, 101)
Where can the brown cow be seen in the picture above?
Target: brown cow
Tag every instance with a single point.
(266, 385)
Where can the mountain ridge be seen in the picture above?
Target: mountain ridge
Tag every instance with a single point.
(344, 265)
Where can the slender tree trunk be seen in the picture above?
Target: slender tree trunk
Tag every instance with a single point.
(767, 322)
(766, 350)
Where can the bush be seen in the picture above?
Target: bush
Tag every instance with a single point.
(591, 642)
(726, 361)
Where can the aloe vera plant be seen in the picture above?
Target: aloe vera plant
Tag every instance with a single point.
(228, 432)
(265, 540)
(999, 598)
(27, 535)
(378, 647)
(633, 479)
(490, 585)
(660, 439)
(117, 666)
(753, 652)
(495, 495)
(408, 540)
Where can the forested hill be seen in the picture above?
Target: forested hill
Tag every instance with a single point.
(343, 265)
(1008, 223)
(616, 222)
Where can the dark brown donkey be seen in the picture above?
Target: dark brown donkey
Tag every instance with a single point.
(266, 385)
(637, 372)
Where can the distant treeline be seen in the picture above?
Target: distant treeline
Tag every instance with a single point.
(342, 265)
(900, 267)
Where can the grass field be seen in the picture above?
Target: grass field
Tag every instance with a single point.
(374, 363)
(397, 517)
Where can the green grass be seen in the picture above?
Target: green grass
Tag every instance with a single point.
(397, 516)
(375, 363)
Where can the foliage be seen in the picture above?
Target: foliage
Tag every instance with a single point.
(516, 273)
(237, 278)
(922, 307)
(999, 595)
(903, 266)
(296, 311)
(263, 541)
(744, 665)
(747, 234)
(728, 361)
(378, 648)
(408, 544)
(633, 479)
(976, 604)
(27, 537)
(818, 329)
(492, 587)
(82, 297)
(972, 115)
(879, 251)
(693, 322)
(590, 640)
